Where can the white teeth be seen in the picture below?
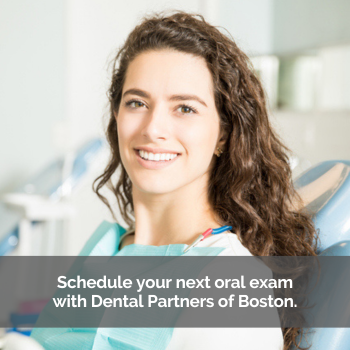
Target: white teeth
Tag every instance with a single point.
(156, 157)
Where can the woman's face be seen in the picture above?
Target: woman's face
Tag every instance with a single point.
(167, 110)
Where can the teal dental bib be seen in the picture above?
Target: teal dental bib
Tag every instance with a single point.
(105, 242)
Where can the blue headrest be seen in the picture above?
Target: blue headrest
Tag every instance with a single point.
(325, 189)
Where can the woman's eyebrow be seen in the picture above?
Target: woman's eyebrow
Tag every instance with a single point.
(187, 98)
(183, 97)
(137, 92)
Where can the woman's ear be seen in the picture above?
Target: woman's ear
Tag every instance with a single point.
(220, 146)
(222, 139)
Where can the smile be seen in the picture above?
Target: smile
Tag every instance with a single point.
(155, 160)
(156, 156)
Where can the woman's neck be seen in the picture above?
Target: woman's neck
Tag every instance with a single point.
(177, 217)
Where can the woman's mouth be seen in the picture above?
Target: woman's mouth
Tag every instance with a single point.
(155, 160)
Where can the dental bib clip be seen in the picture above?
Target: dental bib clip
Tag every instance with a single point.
(205, 234)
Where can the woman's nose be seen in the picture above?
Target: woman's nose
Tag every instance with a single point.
(156, 124)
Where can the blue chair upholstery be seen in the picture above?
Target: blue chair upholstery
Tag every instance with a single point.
(325, 189)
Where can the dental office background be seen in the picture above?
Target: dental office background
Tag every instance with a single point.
(54, 76)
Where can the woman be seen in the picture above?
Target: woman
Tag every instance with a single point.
(189, 131)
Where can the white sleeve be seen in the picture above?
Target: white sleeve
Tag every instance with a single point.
(226, 338)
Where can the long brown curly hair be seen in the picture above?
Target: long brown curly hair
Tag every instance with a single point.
(250, 185)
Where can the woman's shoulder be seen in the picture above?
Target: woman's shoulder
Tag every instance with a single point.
(227, 240)
(104, 241)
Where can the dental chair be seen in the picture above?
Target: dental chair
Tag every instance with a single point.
(40, 199)
(325, 190)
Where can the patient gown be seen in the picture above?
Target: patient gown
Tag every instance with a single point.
(105, 241)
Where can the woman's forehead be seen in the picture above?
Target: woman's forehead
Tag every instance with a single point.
(169, 72)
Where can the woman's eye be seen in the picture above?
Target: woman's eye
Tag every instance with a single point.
(135, 104)
(186, 110)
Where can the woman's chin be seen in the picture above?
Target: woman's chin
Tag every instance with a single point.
(156, 187)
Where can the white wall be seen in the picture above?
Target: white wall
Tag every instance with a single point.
(250, 23)
(31, 85)
(305, 24)
(315, 136)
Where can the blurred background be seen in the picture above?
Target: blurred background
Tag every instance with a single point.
(54, 76)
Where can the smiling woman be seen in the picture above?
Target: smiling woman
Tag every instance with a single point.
(168, 112)
(190, 134)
